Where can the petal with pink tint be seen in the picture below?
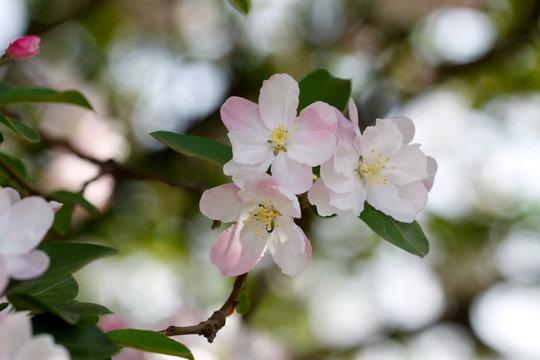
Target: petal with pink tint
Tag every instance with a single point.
(222, 203)
(319, 195)
(353, 115)
(4, 278)
(405, 126)
(290, 248)
(337, 182)
(352, 201)
(237, 250)
(25, 225)
(386, 198)
(239, 114)
(318, 116)
(384, 138)
(249, 148)
(291, 174)
(409, 165)
(312, 147)
(431, 170)
(27, 266)
(278, 101)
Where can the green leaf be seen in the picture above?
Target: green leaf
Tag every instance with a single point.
(75, 198)
(195, 146)
(3, 306)
(36, 306)
(62, 219)
(37, 95)
(20, 128)
(243, 5)
(84, 340)
(408, 236)
(321, 86)
(150, 341)
(243, 304)
(67, 257)
(84, 308)
(57, 290)
(14, 163)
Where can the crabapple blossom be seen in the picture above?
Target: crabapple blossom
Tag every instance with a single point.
(379, 165)
(263, 213)
(17, 342)
(270, 133)
(24, 47)
(23, 224)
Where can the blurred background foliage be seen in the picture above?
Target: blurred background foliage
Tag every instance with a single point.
(466, 71)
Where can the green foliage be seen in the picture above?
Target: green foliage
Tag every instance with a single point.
(84, 340)
(150, 341)
(74, 198)
(409, 237)
(3, 306)
(62, 219)
(195, 146)
(15, 164)
(20, 128)
(321, 86)
(43, 95)
(243, 5)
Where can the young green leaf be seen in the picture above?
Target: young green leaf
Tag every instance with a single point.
(74, 198)
(243, 5)
(57, 290)
(409, 237)
(195, 146)
(150, 341)
(20, 128)
(37, 95)
(321, 86)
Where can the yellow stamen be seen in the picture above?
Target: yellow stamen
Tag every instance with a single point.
(373, 169)
(265, 213)
(279, 137)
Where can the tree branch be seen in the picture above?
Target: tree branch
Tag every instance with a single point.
(214, 323)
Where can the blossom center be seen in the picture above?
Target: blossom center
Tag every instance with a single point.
(374, 170)
(263, 213)
(279, 138)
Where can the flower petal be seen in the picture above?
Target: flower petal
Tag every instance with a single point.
(240, 114)
(351, 201)
(409, 165)
(4, 278)
(291, 174)
(319, 195)
(312, 147)
(386, 198)
(222, 203)
(44, 348)
(405, 126)
(353, 115)
(237, 250)
(337, 182)
(248, 147)
(24, 225)
(384, 138)
(290, 248)
(318, 116)
(278, 101)
(27, 266)
(416, 193)
(431, 170)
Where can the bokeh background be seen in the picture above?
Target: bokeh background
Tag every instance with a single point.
(466, 71)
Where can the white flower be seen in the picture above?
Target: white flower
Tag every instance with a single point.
(17, 342)
(379, 166)
(23, 224)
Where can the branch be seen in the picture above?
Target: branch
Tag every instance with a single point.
(214, 323)
(18, 178)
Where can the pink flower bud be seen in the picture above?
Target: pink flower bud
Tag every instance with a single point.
(24, 47)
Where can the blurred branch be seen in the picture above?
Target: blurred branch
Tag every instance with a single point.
(214, 323)
(18, 178)
(123, 172)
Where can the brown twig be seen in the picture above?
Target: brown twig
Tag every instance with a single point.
(18, 178)
(214, 323)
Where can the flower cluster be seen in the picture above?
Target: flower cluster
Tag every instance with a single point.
(23, 224)
(379, 166)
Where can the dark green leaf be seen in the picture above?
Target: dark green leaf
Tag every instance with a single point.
(84, 308)
(15, 164)
(1, 138)
(3, 306)
(67, 257)
(20, 128)
(62, 219)
(36, 95)
(195, 146)
(60, 290)
(243, 304)
(36, 306)
(321, 86)
(150, 341)
(409, 237)
(84, 341)
(242, 5)
(75, 198)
